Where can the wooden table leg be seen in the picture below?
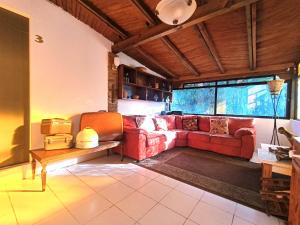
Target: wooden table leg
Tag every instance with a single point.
(266, 170)
(33, 168)
(43, 176)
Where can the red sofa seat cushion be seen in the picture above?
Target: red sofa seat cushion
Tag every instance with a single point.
(236, 123)
(225, 139)
(200, 136)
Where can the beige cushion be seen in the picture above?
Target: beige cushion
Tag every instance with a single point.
(219, 126)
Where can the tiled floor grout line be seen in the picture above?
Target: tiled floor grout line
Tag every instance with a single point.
(63, 204)
(199, 200)
(12, 206)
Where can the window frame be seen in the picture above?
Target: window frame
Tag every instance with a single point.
(216, 86)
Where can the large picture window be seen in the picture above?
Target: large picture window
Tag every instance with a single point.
(241, 97)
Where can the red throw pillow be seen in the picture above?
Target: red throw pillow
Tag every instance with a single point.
(190, 124)
(161, 123)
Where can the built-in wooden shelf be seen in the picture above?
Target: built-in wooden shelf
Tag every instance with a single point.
(133, 82)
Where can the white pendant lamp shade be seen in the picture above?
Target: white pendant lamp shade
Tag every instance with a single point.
(174, 12)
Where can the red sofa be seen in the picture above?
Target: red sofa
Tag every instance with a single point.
(140, 144)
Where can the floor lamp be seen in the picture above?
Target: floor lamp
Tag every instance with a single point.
(275, 87)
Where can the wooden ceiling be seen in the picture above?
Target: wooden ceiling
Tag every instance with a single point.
(223, 39)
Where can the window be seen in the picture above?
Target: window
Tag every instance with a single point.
(240, 97)
(194, 101)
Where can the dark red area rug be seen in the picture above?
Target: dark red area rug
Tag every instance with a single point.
(232, 178)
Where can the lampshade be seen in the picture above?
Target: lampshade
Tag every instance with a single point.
(275, 86)
(175, 12)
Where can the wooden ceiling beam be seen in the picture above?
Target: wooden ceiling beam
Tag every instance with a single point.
(121, 32)
(204, 35)
(104, 18)
(250, 11)
(203, 13)
(153, 20)
(242, 73)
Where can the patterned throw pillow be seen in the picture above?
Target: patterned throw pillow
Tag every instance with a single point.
(190, 124)
(145, 123)
(219, 126)
(161, 124)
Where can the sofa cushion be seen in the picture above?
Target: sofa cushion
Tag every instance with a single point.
(170, 121)
(190, 124)
(178, 120)
(225, 139)
(145, 123)
(199, 136)
(219, 126)
(129, 121)
(236, 123)
(170, 135)
(204, 123)
(161, 123)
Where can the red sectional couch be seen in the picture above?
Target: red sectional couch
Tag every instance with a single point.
(140, 144)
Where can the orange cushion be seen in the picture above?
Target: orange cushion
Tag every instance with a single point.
(190, 123)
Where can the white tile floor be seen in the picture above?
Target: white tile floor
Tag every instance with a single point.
(106, 192)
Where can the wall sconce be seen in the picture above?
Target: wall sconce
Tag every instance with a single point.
(116, 63)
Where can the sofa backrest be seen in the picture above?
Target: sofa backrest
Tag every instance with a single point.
(236, 123)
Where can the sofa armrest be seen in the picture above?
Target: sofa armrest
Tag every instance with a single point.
(244, 131)
(131, 130)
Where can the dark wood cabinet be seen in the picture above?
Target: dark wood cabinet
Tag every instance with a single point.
(294, 210)
(136, 84)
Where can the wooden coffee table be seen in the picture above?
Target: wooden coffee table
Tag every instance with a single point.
(46, 156)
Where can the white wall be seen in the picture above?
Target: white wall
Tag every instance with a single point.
(264, 130)
(138, 107)
(68, 72)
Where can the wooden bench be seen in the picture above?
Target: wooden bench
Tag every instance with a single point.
(46, 156)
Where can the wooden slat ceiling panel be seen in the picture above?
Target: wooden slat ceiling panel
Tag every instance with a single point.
(278, 30)
(137, 56)
(124, 13)
(229, 35)
(165, 56)
(188, 41)
(81, 13)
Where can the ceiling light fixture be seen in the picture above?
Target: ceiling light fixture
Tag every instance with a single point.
(174, 12)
